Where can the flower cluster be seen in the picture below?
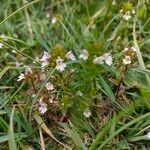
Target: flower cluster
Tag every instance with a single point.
(44, 59)
(54, 20)
(87, 113)
(49, 98)
(84, 55)
(127, 60)
(49, 94)
(107, 58)
(129, 53)
(79, 93)
(42, 106)
(21, 77)
(49, 86)
(127, 15)
(60, 65)
(28, 72)
(70, 56)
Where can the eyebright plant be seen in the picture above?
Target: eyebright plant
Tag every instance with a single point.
(74, 75)
(57, 93)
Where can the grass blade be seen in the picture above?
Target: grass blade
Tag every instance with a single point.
(140, 59)
(45, 128)
(15, 12)
(11, 141)
(123, 128)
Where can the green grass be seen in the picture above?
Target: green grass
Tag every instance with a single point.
(117, 95)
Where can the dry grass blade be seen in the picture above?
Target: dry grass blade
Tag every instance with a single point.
(42, 140)
(93, 18)
(45, 128)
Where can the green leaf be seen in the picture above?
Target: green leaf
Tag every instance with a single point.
(108, 91)
(4, 138)
(128, 110)
(132, 79)
(18, 10)
(123, 128)
(4, 71)
(142, 12)
(146, 97)
(72, 133)
(139, 55)
(138, 138)
(2, 112)
(6, 87)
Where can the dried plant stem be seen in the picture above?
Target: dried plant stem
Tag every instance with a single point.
(41, 139)
(120, 82)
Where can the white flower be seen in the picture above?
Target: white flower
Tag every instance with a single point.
(42, 108)
(60, 65)
(1, 45)
(28, 70)
(4, 37)
(127, 60)
(108, 59)
(104, 58)
(130, 49)
(44, 64)
(79, 93)
(13, 51)
(148, 134)
(54, 20)
(133, 11)
(127, 16)
(121, 10)
(49, 86)
(45, 56)
(133, 49)
(33, 95)
(84, 55)
(113, 2)
(17, 64)
(70, 56)
(47, 15)
(93, 26)
(44, 59)
(126, 49)
(21, 77)
(51, 100)
(87, 113)
(98, 60)
(72, 71)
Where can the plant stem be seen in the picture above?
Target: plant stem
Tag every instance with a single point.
(120, 82)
